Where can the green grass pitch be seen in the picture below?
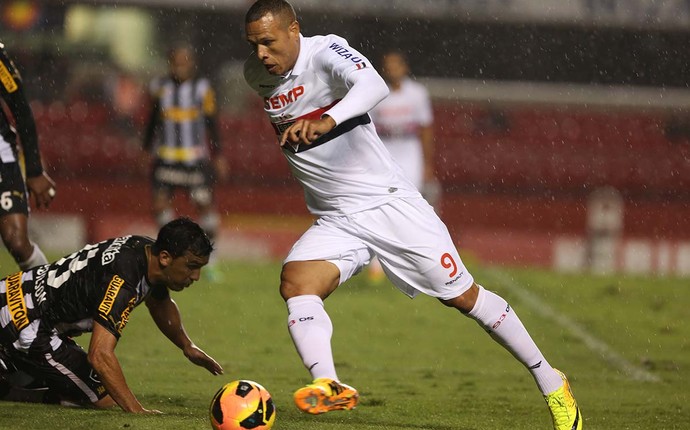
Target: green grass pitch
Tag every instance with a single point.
(417, 364)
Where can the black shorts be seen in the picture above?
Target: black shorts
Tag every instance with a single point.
(60, 364)
(195, 179)
(13, 196)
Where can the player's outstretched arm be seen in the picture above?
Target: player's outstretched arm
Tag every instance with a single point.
(103, 360)
(167, 317)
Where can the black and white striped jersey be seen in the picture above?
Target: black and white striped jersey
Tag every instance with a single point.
(182, 126)
(100, 283)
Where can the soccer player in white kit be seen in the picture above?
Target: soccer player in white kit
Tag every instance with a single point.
(317, 92)
(404, 121)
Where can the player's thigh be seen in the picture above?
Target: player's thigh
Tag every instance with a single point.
(416, 249)
(324, 257)
(13, 196)
(64, 369)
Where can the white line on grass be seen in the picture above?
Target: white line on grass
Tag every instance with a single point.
(543, 309)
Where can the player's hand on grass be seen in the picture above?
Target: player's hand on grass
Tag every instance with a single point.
(42, 187)
(306, 131)
(200, 358)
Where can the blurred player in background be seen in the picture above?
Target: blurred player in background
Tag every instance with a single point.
(182, 134)
(95, 290)
(19, 127)
(404, 122)
(317, 92)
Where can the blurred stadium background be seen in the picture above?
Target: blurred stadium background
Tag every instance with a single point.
(563, 128)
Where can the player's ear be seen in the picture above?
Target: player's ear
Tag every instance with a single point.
(294, 28)
(165, 258)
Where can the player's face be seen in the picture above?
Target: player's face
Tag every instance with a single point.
(182, 271)
(275, 43)
(394, 68)
(182, 64)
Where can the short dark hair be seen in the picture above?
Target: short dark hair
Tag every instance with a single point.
(182, 46)
(261, 8)
(181, 235)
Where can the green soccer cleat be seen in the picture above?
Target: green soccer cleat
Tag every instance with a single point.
(563, 407)
(325, 395)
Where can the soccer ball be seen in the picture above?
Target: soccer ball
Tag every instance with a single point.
(241, 405)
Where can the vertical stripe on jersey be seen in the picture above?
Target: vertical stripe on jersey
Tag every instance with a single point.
(168, 101)
(178, 102)
(184, 125)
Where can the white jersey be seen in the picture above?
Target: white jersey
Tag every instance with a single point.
(348, 169)
(398, 119)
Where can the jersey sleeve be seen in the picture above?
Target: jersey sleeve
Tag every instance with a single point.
(342, 65)
(118, 284)
(210, 109)
(12, 92)
(117, 303)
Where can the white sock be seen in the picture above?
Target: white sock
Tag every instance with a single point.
(502, 323)
(37, 259)
(311, 330)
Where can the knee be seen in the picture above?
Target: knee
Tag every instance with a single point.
(464, 302)
(288, 289)
(317, 278)
(17, 242)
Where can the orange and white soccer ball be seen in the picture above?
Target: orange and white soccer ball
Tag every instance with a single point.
(242, 405)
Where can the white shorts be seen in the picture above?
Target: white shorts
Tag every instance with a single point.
(411, 242)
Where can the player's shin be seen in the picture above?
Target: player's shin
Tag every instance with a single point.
(311, 330)
(499, 319)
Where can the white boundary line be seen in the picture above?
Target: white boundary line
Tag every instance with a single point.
(544, 310)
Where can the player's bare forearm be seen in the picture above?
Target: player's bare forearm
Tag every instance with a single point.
(103, 360)
(167, 317)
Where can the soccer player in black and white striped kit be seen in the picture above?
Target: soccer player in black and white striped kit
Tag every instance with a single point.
(95, 290)
(19, 128)
(182, 135)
